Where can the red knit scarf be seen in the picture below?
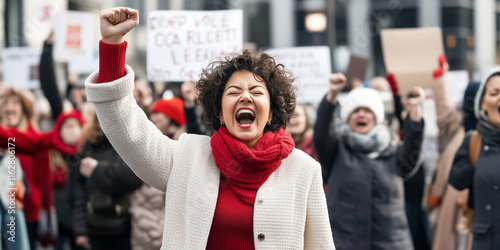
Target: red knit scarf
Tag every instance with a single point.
(247, 169)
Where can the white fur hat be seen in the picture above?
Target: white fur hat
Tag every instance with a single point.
(363, 97)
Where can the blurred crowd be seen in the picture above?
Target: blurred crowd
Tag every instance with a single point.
(383, 187)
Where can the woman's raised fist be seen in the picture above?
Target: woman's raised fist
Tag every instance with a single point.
(116, 23)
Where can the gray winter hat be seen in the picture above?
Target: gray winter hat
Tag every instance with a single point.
(480, 92)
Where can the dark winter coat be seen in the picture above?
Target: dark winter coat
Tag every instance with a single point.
(365, 196)
(102, 201)
(484, 179)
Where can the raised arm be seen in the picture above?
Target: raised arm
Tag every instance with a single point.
(449, 120)
(325, 143)
(141, 145)
(48, 80)
(189, 96)
(409, 153)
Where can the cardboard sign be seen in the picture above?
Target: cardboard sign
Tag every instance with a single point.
(356, 69)
(20, 67)
(73, 36)
(311, 66)
(412, 55)
(457, 83)
(182, 43)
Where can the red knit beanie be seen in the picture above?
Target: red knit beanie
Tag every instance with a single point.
(173, 108)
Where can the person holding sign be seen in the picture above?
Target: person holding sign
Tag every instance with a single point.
(475, 165)
(363, 171)
(243, 188)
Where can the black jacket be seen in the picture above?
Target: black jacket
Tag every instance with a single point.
(101, 202)
(364, 195)
(484, 182)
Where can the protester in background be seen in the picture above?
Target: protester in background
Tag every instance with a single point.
(450, 232)
(363, 172)
(12, 190)
(148, 203)
(418, 220)
(168, 116)
(477, 168)
(101, 194)
(16, 112)
(238, 173)
(301, 131)
(192, 111)
(143, 94)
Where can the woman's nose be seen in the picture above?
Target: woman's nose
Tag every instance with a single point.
(245, 97)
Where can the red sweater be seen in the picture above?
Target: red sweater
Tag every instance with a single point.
(232, 225)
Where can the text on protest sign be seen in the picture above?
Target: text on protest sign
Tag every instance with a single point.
(182, 43)
(73, 36)
(20, 67)
(312, 68)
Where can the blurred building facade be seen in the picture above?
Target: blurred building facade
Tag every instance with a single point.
(469, 27)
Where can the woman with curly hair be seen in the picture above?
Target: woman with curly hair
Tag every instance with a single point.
(243, 188)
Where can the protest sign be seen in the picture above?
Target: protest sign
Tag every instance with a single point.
(85, 66)
(73, 36)
(412, 55)
(356, 69)
(20, 67)
(181, 43)
(312, 68)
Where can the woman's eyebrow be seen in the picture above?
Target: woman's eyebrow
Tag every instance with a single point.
(255, 86)
(234, 86)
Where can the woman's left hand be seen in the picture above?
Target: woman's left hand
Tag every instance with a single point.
(413, 104)
(87, 166)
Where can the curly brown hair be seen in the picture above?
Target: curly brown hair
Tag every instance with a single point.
(278, 82)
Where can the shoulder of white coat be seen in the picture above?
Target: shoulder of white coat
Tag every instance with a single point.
(109, 91)
(194, 142)
(298, 160)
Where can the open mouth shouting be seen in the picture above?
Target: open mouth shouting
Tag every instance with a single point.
(361, 124)
(245, 117)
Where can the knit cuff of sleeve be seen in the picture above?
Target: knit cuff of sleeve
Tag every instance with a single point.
(111, 61)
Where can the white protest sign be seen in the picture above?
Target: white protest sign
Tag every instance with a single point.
(85, 66)
(73, 36)
(312, 68)
(457, 83)
(182, 43)
(20, 67)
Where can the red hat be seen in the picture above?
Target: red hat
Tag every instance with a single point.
(57, 141)
(173, 108)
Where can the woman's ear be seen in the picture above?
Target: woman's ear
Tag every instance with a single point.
(270, 116)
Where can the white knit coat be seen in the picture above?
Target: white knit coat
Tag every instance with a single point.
(290, 208)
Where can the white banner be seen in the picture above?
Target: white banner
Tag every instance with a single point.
(312, 68)
(458, 81)
(182, 43)
(20, 67)
(73, 36)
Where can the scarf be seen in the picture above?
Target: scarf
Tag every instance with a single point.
(247, 169)
(371, 143)
(488, 129)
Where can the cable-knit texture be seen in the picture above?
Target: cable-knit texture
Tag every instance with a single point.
(111, 56)
(292, 213)
(247, 169)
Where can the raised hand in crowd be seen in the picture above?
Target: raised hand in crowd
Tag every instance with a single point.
(413, 103)
(83, 241)
(87, 166)
(188, 94)
(337, 82)
(116, 23)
